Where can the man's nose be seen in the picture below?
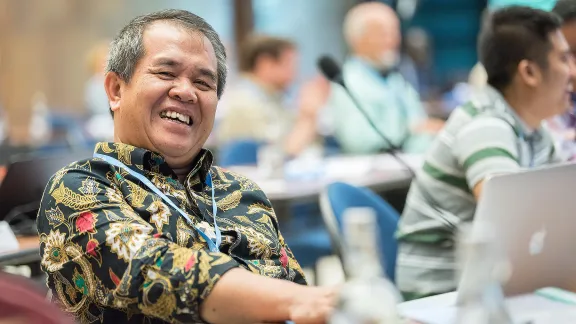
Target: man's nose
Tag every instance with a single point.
(184, 91)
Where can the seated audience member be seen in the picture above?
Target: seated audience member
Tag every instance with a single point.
(530, 69)
(148, 230)
(563, 127)
(95, 99)
(99, 125)
(372, 32)
(256, 107)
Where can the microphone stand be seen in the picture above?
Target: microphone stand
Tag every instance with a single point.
(393, 149)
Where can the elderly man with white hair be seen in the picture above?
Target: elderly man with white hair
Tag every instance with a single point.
(372, 32)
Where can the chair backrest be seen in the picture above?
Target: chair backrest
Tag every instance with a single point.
(338, 197)
(239, 152)
(22, 299)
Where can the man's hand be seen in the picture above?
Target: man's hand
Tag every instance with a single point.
(314, 307)
(313, 95)
(429, 126)
(241, 296)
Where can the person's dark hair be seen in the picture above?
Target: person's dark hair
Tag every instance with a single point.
(256, 46)
(566, 9)
(127, 48)
(513, 34)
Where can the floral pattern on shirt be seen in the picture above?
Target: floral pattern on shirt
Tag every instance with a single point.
(115, 252)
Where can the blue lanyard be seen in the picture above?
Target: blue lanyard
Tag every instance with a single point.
(212, 245)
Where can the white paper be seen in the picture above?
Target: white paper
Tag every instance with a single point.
(8, 241)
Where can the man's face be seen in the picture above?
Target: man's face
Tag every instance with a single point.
(282, 70)
(380, 41)
(286, 67)
(556, 87)
(170, 103)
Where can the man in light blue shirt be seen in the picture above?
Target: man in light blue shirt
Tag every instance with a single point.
(372, 31)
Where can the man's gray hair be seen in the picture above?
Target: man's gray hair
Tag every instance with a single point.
(127, 48)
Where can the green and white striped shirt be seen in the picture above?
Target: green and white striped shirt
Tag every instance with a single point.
(481, 138)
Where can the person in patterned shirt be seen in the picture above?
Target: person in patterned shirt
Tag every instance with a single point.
(149, 230)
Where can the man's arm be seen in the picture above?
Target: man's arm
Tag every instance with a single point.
(418, 123)
(485, 147)
(478, 189)
(243, 297)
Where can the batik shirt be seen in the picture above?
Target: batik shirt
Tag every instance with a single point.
(115, 252)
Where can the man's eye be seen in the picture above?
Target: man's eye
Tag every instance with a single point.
(204, 84)
(166, 74)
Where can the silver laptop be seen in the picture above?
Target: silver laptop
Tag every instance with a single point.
(533, 218)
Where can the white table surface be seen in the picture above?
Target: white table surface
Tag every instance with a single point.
(524, 309)
(307, 178)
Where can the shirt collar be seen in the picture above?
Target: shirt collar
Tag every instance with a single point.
(140, 160)
(501, 107)
(262, 88)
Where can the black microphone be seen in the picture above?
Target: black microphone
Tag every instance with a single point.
(333, 72)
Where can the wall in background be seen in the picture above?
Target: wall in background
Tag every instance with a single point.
(453, 26)
(43, 47)
(316, 26)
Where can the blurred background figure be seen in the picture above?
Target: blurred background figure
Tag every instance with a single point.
(418, 61)
(40, 125)
(372, 73)
(99, 125)
(256, 107)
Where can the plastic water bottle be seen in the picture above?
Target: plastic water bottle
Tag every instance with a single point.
(368, 297)
(484, 268)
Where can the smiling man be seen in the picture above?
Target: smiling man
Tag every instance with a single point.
(148, 230)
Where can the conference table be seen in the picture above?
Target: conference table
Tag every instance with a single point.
(306, 179)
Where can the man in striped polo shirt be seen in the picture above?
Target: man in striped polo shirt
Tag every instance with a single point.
(530, 68)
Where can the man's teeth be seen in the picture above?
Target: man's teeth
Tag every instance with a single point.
(174, 115)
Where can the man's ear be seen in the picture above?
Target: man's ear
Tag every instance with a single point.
(114, 84)
(530, 73)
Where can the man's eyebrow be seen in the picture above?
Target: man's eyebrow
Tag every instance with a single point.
(166, 62)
